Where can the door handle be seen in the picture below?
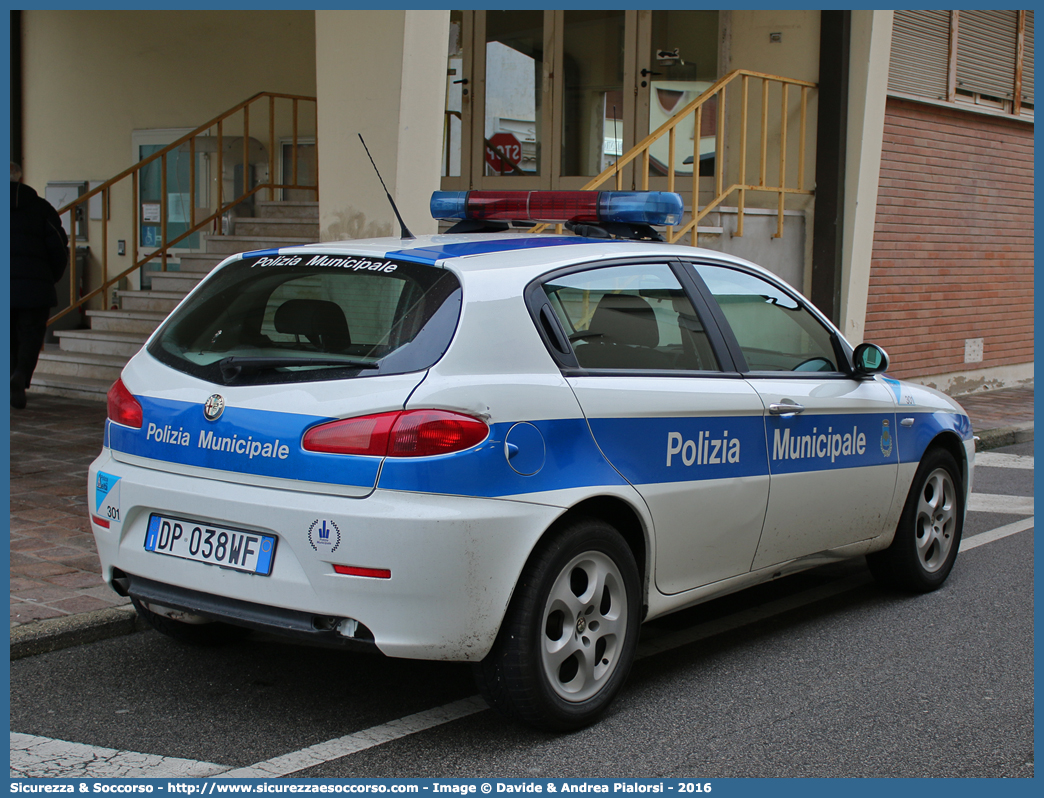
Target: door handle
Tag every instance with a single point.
(646, 72)
(786, 409)
(463, 81)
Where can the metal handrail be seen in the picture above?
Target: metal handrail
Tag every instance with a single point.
(77, 207)
(721, 193)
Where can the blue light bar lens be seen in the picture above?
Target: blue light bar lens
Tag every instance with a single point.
(641, 207)
(449, 204)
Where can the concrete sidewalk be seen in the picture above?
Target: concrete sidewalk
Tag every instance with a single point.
(57, 594)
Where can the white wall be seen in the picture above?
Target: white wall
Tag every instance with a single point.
(871, 46)
(381, 74)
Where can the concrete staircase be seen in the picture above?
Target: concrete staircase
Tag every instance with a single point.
(85, 363)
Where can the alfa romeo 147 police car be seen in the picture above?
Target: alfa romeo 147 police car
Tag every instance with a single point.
(509, 449)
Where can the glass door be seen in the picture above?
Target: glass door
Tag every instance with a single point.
(550, 99)
(593, 103)
(678, 62)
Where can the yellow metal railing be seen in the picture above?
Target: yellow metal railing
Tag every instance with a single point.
(738, 81)
(78, 208)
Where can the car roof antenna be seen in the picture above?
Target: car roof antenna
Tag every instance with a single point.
(405, 230)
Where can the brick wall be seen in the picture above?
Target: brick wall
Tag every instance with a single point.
(953, 241)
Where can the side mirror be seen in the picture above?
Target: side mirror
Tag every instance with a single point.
(869, 359)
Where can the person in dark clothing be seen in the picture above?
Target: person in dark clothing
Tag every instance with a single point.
(39, 254)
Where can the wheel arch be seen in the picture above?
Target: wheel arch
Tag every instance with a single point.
(950, 442)
(623, 517)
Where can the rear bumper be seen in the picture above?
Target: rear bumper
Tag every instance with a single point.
(454, 560)
(305, 626)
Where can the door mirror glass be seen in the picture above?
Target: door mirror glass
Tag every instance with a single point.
(870, 359)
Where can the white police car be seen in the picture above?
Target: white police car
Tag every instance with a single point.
(509, 449)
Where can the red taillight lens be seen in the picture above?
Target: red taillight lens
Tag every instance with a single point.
(123, 408)
(411, 433)
(362, 435)
(419, 433)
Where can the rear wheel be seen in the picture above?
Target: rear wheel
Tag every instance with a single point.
(569, 636)
(212, 633)
(929, 532)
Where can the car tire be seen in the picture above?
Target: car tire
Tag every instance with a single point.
(929, 532)
(193, 634)
(568, 639)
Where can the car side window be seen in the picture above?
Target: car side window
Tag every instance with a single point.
(775, 332)
(631, 317)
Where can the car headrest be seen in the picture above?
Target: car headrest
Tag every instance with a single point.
(320, 321)
(625, 319)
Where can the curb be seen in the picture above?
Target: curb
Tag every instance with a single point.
(53, 634)
(1004, 436)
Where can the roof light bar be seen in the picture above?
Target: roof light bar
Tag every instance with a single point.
(555, 207)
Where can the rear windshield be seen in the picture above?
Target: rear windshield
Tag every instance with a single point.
(297, 318)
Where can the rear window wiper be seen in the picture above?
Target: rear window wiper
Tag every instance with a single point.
(232, 367)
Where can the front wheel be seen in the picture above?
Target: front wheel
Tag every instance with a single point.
(929, 532)
(569, 636)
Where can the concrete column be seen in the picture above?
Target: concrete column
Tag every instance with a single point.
(871, 45)
(381, 74)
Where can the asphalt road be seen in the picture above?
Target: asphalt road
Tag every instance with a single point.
(819, 675)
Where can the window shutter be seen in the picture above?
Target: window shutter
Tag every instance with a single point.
(920, 53)
(986, 53)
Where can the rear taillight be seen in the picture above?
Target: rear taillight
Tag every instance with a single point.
(122, 406)
(409, 433)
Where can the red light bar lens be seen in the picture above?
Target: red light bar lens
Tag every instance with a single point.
(410, 433)
(122, 407)
(533, 206)
(373, 573)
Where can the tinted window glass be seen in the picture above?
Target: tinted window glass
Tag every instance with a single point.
(775, 332)
(630, 317)
(312, 317)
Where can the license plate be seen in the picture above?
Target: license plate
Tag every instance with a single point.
(230, 548)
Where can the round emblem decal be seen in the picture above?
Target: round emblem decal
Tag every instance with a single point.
(213, 408)
(324, 535)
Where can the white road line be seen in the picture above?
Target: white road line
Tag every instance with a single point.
(42, 757)
(1001, 460)
(995, 534)
(992, 503)
(359, 741)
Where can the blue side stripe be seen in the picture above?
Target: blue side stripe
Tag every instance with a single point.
(914, 440)
(644, 450)
(572, 460)
(430, 255)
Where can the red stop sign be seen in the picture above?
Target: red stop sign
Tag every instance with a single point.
(506, 145)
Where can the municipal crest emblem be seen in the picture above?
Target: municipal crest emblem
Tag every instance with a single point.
(324, 536)
(886, 439)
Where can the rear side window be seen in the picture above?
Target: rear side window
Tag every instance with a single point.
(634, 317)
(295, 318)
